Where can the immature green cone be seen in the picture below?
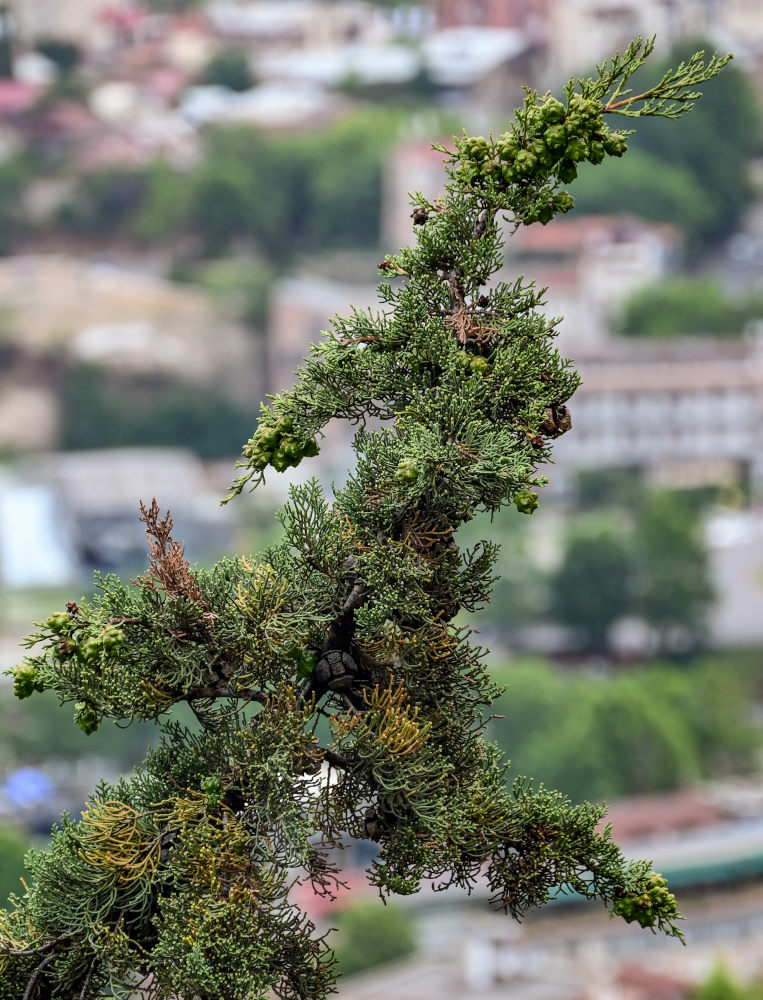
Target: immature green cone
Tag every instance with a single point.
(26, 682)
(576, 150)
(555, 136)
(567, 171)
(479, 365)
(553, 110)
(407, 471)
(526, 501)
(650, 906)
(525, 162)
(86, 717)
(59, 621)
(615, 143)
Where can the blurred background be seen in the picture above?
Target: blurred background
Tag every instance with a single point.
(189, 191)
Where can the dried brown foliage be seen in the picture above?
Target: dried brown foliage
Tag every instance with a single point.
(167, 566)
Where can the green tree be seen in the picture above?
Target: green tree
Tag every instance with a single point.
(369, 936)
(713, 697)
(104, 202)
(6, 42)
(15, 173)
(307, 191)
(13, 847)
(687, 305)
(648, 739)
(171, 6)
(65, 54)
(729, 118)
(176, 882)
(674, 590)
(647, 558)
(99, 411)
(519, 594)
(285, 194)
(650, 188)
(721, 985)
(228, 68)
(654, 728)
(593, 586)
(345, 181)
(618, 487)
(267, 202)
(223, 204)
(164, 208)
(39, 732)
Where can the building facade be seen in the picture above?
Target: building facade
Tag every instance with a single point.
(491, 13)
(583, 32)
(687, 413)
(74, 20)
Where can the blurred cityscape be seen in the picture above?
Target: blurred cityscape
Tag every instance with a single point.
(189, 191)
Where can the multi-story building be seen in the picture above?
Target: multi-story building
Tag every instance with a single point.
(685, 412)
(62, 311)
(738, 24)
(300, 308)
(579, 33)
(742, 19)
(583, 32)
(271, 26)
(491, 13)
(75, 20)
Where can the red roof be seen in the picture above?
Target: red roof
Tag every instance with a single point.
(69, 117)
(16, 96)
(111, 149)
(648, 815)
(123, 17)
(166, 82)
(355, 885)
(570, 235)
(654, 985)
(420, 151)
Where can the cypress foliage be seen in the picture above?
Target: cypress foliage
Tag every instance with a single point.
(175, 883)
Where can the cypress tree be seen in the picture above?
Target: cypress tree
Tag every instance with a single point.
(175, 883)
(6, 42)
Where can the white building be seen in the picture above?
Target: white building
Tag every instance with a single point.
(274, 26)
(581, 33)
(86, 506)
(688, 412)
(74, 20)
(300, 308)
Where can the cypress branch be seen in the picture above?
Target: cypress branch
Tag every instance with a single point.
(175, 883)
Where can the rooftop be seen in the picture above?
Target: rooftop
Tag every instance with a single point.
(16, 96)
(569, 235)
(369, 64)
(457, 57)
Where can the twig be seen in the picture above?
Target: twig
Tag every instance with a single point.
(40, 949)
(628, 100)
(347, 700)
(88, 978)
(337, 760)
(212, 691)
(36, 975)
(354, 598)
